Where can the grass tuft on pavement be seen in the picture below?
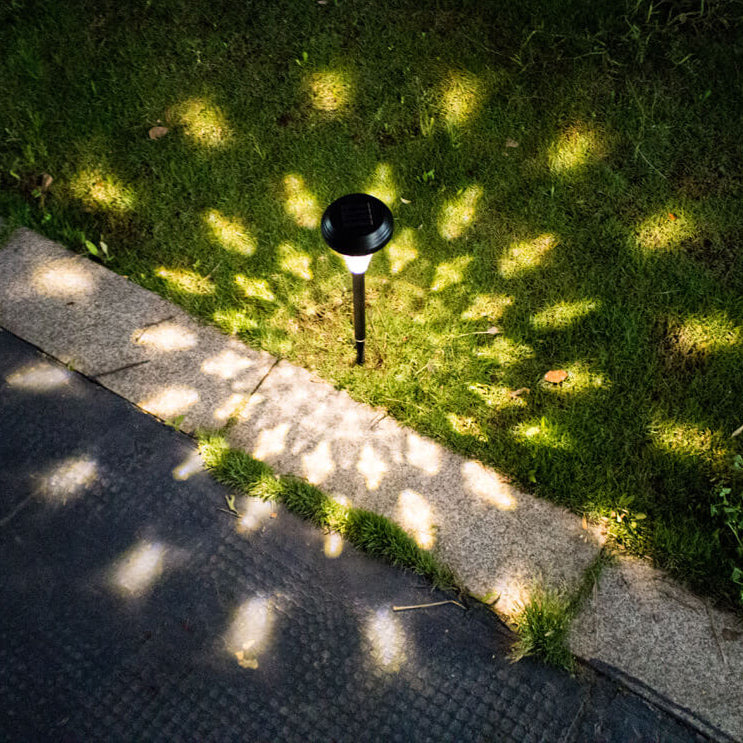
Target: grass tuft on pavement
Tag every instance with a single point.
(371, 533)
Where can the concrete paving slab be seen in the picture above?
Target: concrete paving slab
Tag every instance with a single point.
(495, 538)
(73, 308)
(641, 622)
(98, 322)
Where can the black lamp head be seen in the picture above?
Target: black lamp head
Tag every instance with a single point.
(357, 224)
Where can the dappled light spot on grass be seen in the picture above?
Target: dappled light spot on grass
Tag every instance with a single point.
(137, 571)
(186, 282)
(660, 232)
(318, 465)
(504, 351)
(682, 438)
(203, 122)
(249, 634)
(102, 191)
(191, 465)
(541, 432)
(333, 545)
(382, 185)
(295, 262)
(226, 365)
(488, 306)
(692, 341)
(525, 255)
(67, 480)
(300, 203)
(402, 250)
(460, 98)
(458, 214)
(39, 377)
(170, 402)
(414, 514)
(167, 336)
(424, 454)
(581, 378)
(387, 638)
(234, 321)
(563, 314)
(330, 91)
(450, 273)
(465, 426)
(231, 234)
(255, 288)
(271, 441)
(253, 513)
(575, 147)
(64, 279)
(372, 467)
(488, 487)
(498, 397)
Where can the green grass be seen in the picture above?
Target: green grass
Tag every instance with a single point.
(370, 532)
(606, 243)
(542, 623)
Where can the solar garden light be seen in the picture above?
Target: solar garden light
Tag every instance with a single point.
(356, 226)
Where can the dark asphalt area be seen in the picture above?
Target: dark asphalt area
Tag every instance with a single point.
(133, 607)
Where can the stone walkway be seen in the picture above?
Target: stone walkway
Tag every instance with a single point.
(497, 540)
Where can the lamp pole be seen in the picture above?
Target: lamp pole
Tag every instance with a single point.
(357, 226)
(359, 315)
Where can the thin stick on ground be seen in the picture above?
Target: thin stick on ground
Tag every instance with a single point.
(427, 606)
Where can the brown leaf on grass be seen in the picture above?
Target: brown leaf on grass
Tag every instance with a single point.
(511, 143)
(556, 376)
(158, 131)
(672, 216)
(517, 393)
(46, 182)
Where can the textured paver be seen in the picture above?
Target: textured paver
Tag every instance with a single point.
(135, 609)
(645, 624)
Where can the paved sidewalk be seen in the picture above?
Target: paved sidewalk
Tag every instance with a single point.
(497, 540)
(133, 609)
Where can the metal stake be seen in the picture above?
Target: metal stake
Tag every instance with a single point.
(359, 319)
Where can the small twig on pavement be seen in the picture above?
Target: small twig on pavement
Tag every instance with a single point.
(11, 515)
(426, 606)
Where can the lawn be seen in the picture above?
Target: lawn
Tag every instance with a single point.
(566, 183)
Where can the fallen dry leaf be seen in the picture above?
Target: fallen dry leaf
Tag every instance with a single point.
(46, 182)
(404, 201)
(584, 522)
(556, 376)
(511, 143)
(672, 216)
(519, 392)
(158, 131)
(492, 330)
